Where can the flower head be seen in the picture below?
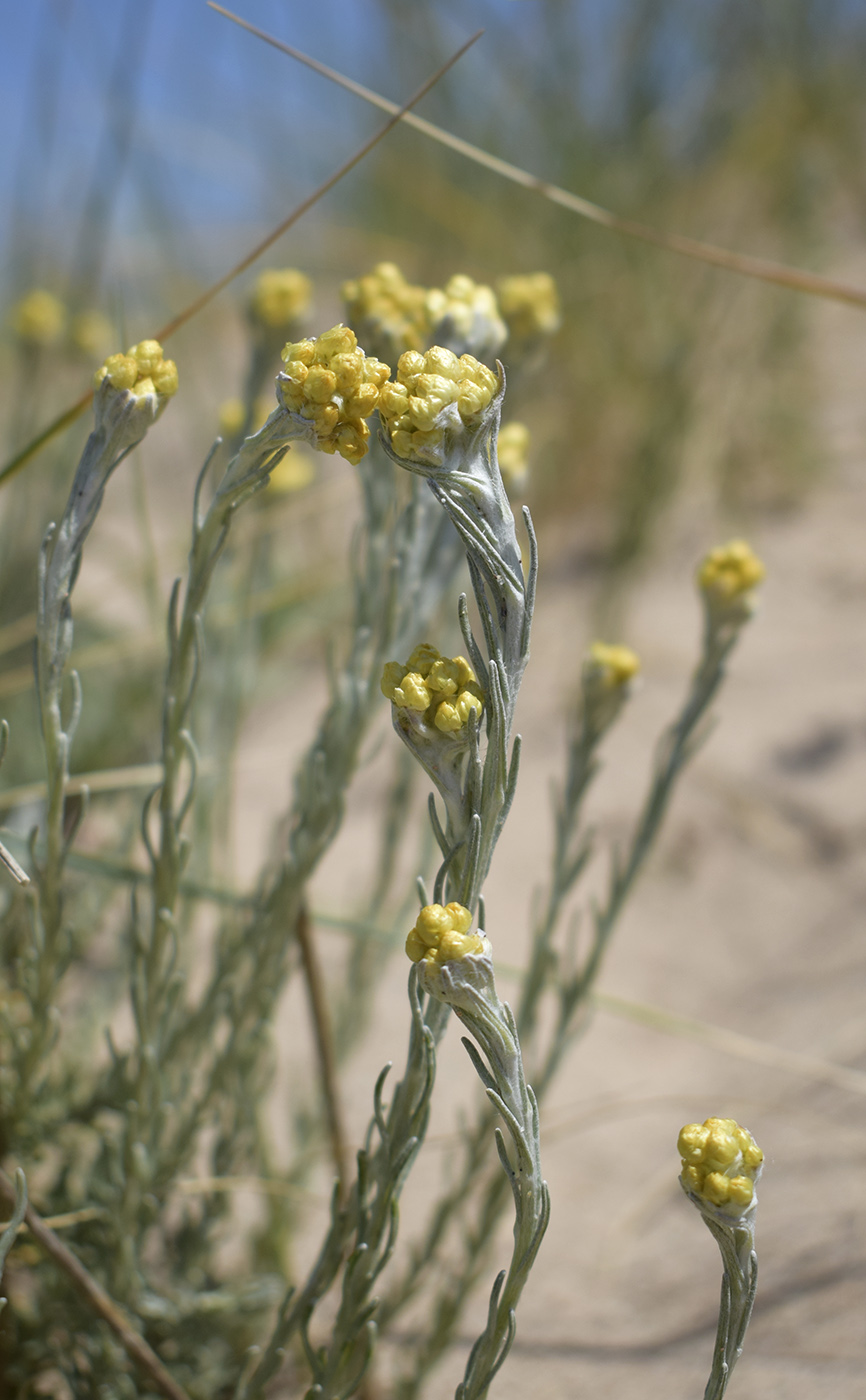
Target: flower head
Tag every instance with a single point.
(441, 934)
(512, 450)
(91, 332)
(435, 396)
(142, 371)
(387, 312)
(727, 578)
(443, 690)
(296, 470)
(530, 306)
(721, 1164)
(464, 318)
(330, 387)
(280, 298)
(38, 319)
(131, 392)
(610, 667)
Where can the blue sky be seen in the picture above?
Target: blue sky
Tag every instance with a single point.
(217, 126)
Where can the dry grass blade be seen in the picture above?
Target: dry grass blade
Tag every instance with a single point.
(70, 414)
(732, 1043)
(764, 269)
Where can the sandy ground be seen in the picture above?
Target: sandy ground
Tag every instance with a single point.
(749, 917)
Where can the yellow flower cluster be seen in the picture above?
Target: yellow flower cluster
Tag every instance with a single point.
(142, 370)
(425, 386)
(445, 690)
(512, 451)
(610, 667)
(280, 296)
(334, 386)
(721, 1162)
(467, 311)
(441, 934)
(730, 571)
(530, 305)
(389, 313)
(91, 332)
(233, 413)
(38, 319)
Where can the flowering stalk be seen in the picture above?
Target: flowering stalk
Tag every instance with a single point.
(456, 969)
(721, 1163)
(331, 419)
(132, 391)
(475, 1200)
(362, 1233)
(441, 418)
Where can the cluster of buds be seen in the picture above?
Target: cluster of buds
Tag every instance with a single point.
(330, 387)
(142, 371)
(131, 392)
(91, 332)
(280, 298)
(512, 450)
(464, 317)
(388, 313)
(727, 578)
(721, 1163)
(434, 396)
(38, 319)
(530, 307)
(444, 690)
(610, 667)
(441, 934)
(606, 683)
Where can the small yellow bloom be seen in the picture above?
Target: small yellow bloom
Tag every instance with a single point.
(433, 392)
(444, 689)
(38, 319)
(441, 934)
(142, 371)
(387, 312)
(729, 572)
(293, 473)
(720, 1164)
(512, 451)
(530, 306)
(466, 314)
(91, 332)
(610, 667)
(334, 386)
(232, 416)
(280, 297)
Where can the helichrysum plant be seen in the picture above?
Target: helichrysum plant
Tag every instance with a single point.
(721, 1163)
(183, 1090)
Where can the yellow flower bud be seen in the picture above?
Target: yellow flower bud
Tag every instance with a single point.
(279, 297)
(419, 409)
(333, 386)
(729, 572)
(442, 935)
(447, 686)
(512, 450)
(38, 318)
(142, 372)
(423, 658)
(91, 332)
(721, 1162)
(611, 667)
(530, 306)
